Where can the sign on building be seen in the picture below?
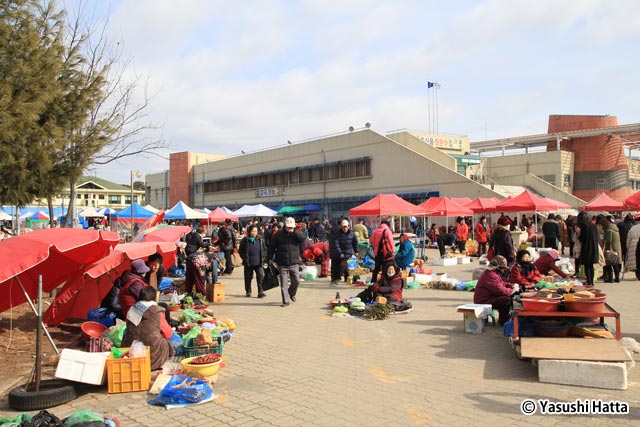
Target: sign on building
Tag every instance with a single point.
(270, 191)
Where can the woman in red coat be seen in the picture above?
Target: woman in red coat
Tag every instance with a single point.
(492, 289)
(524, 272)
(482, 235)
(390, 286)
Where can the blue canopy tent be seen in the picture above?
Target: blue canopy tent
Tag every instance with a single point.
(182, 211)
(140, 214)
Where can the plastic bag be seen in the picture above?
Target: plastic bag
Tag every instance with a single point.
(181, 389)
(368, 262)
(165, 285)
(44, 419)
(103, 316)
(309, 272)
(190, 316)
(177, 344)
(192, 334)
(116, 333)
(82, 416)
(138, 349)
(15, 420)
(352, 264)
(175, 298)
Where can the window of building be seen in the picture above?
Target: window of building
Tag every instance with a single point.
(127, 200)
(101, 196)
(78, 196)
(567, 179)
(115, 199)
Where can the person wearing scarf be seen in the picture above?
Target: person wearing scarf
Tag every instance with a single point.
(492, 289)
(390, 285)
(146, 322)
(524, 272)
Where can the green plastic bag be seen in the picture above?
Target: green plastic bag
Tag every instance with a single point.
(117, 353)
(471, 285)
(82, 416)
(116, 333)
(14, 421)
(192, 334)
(190, 316)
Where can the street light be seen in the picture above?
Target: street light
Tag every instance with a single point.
(138, 175)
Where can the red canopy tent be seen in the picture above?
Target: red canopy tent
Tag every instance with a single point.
(633, 201)
(603, 202)
(558, 203)
(462, 201)
(386, 204)
(86, 289)
(526, 202)
(482, 205)
(219, 215)
(443, 206)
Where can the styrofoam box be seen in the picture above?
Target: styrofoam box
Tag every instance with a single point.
(82, 367)
(423, 278)
(473, 324)
(439, 277)
(464, 260)
(445, 261)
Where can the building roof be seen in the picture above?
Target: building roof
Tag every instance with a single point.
(102, 183)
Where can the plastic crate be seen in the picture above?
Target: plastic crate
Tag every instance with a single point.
(192, 351)
(129, 374)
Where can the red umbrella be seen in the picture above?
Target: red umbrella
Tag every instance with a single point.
(603, 202)
(219, 215)
(525, 202)
(54, 253)
(86, 289)
(481, 205)
(386, 204)
(165, 233)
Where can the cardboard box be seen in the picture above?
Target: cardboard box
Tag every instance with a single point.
(445, 261)
(215, 293)
(82, 367)
(473, 316)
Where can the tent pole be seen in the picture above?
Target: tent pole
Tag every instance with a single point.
(38, 373)
(36, 312)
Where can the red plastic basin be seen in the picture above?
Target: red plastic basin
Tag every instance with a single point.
(540, 304)
(92, 329)
(585, 304)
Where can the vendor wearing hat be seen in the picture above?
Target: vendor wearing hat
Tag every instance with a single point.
(132, 284)
(524, 272)
(343, 245)
(493, 289)
(547, 263)
(285, 251)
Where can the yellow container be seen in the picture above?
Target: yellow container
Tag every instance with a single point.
(129, 374)
(205, 370)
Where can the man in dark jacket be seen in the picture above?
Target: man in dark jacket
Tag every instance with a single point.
(551, 232)
(501, 241)
(624, 228)
(254, 254)
(227, 243)
(316, 231)
(343, 245)
(286, 248)
(589, 252)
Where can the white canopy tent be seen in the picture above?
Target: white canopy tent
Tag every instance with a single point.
(254, 211)
(182, 211)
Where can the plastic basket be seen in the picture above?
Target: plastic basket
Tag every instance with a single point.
(192, 351)
(129, 374)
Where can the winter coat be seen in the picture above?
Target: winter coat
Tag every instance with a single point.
(244, 250)
(546, 263)
(564, 234)
(129, 293)
(589, 253)
(405, 255)
(376, 237)
(343, 244)
(194, 242)
(632, 243)
(462, 231)
(529, 279)
(502, 244)
(316, 232)
(226, 239)
(316, 252)
(612, 240)
(551, 232)
(286, 247)
(154, 332)
(624, 228)
(361, 232)
(391, 288)
(482, 234)
(490, 286)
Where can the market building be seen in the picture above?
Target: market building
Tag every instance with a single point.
(341, 171)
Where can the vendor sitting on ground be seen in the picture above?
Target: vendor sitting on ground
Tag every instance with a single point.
(146, 322)
(132, 284)
(524, 272)
(318, 253)
(406, 252)
(492, 289)
(547, 263)
(390, 285)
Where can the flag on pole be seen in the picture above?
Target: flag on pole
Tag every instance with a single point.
(430, 85)
(437, 85)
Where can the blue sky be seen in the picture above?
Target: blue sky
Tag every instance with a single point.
(232, 76)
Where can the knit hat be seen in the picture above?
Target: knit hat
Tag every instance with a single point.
(554, 254)
(503, 221)
(499, 262)
(552, 216)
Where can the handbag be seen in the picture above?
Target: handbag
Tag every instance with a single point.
(491, 253)
(611, 258)
(271, 278)
(236, 259)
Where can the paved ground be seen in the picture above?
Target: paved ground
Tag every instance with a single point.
(297, 366)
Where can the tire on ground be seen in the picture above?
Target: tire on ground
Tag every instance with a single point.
(52, 393)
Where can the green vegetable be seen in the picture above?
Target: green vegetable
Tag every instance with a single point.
(378, 311)
(340, 309)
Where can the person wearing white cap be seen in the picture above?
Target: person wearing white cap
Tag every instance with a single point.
(344, 244)
(285, 249)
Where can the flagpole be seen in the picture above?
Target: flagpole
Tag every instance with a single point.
(436, 86)
(429, 107)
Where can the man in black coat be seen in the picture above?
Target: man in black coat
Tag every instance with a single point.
(316, 231)
(227, 244)
(285, 249)
(342, 246)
